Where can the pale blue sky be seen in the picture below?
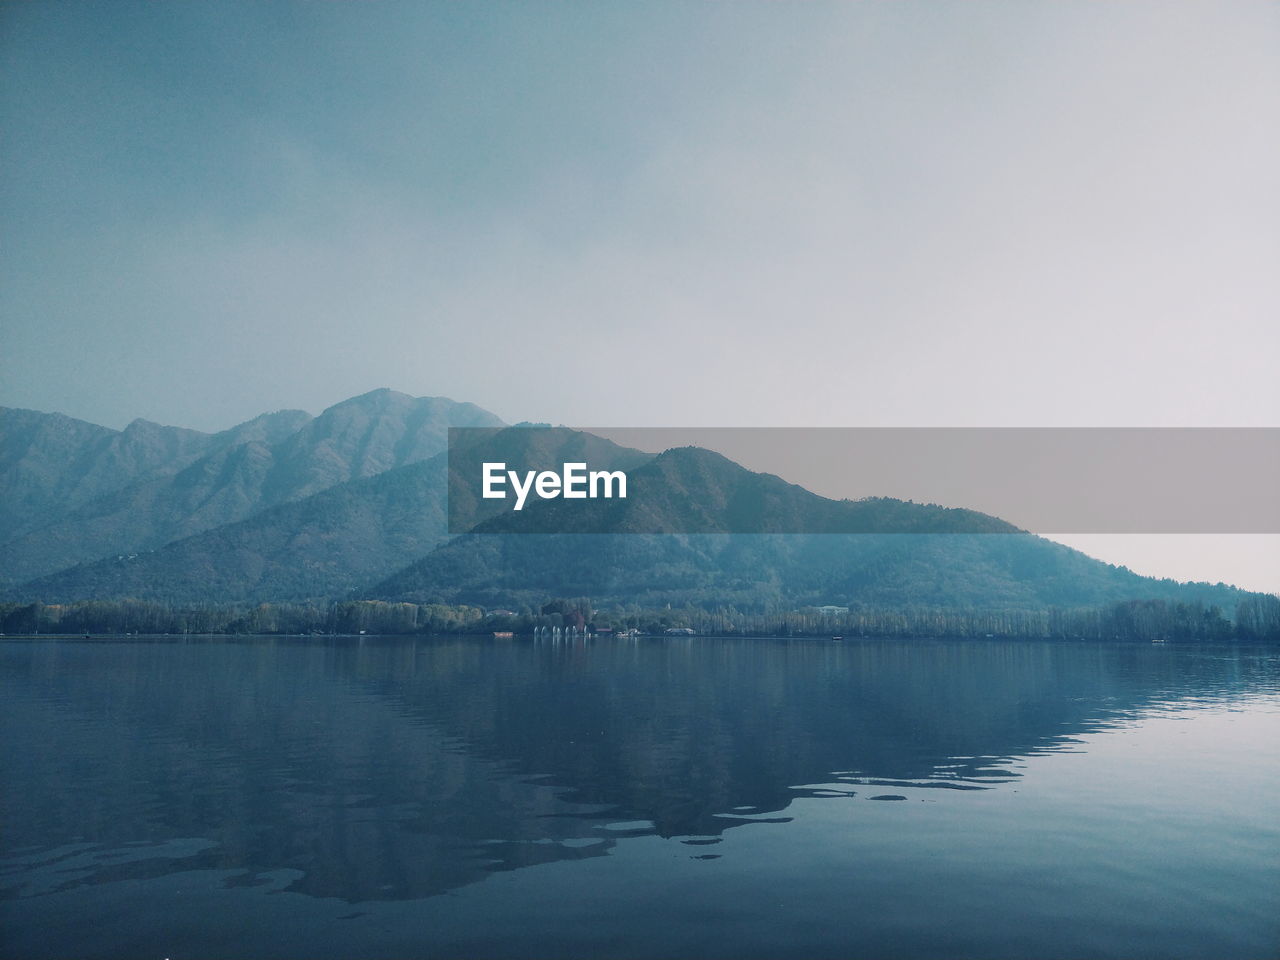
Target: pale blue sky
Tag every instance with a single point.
(899, 213)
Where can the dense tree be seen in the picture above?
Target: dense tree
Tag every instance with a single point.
(1257, 619)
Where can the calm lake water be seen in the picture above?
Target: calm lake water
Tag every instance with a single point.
(664, 798)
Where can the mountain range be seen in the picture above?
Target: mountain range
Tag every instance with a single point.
(353, 502)
(85, 493)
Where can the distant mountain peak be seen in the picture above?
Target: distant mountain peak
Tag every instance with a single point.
(383, 392)
(269, 428)
(379, 397)
(286, 413)
(696, 456)
(386, 400)
(142, 426)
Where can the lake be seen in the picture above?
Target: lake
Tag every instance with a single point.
(387, 797)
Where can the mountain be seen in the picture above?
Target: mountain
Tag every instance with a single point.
(289, 507)
(51, 464)
(224, 478)
(265, 428)
(323, 545)
(907, 553)
(364, 436)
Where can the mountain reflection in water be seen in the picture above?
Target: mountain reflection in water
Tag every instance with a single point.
(390, 769)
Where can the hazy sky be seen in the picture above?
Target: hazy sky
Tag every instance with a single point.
(894, 213)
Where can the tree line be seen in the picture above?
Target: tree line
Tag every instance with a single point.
(1256, 618)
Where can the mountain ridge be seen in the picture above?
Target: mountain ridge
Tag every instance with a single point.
(352, 503)
(329, 543)
(712, 531)
(220, 478)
